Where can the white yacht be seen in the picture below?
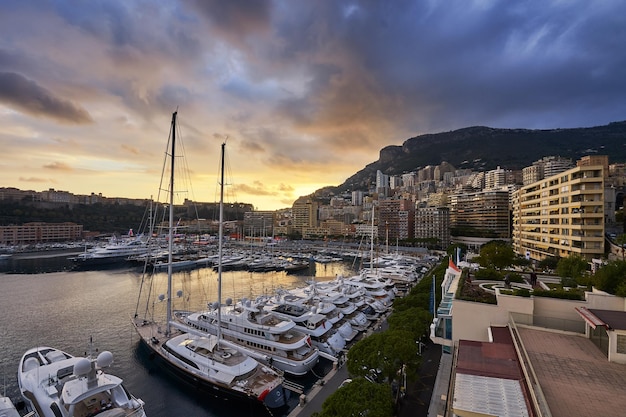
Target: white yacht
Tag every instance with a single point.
(327, 340)
(261, 334)
(116, 251)
(381, 289)
(54, 383)
(312, 297)
(7, 408)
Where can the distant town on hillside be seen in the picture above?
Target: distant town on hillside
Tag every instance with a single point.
(553, 207)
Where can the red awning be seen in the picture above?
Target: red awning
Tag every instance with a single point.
(590, 318)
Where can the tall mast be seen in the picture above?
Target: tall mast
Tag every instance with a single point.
(372, 240)
(220, 238)
(170, 243)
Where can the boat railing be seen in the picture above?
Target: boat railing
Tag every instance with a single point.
(137, 413)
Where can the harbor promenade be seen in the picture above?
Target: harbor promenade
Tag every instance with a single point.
(416, 402)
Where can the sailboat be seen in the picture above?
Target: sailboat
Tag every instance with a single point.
(208, 362)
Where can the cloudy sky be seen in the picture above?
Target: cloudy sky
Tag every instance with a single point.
(307, 91)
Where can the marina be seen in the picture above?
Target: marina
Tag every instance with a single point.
(64, 309)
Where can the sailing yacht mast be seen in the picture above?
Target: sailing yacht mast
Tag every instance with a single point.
(170, 244)
(220, 237)
(372, 240)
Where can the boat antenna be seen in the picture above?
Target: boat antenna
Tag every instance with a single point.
(170, 243)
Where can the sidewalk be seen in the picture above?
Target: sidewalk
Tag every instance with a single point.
(419, 392)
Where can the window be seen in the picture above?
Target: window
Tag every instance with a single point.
(621, 343)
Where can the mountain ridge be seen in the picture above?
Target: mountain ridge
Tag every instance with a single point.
(483, 148)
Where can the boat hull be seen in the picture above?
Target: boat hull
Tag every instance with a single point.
(268, 401)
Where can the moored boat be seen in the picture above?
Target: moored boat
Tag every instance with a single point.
(7, 408)
(208, 362)
(261, 334)
(115, 252)
(54, 383)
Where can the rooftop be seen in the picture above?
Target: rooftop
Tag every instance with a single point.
(488, 378)
(576, 378)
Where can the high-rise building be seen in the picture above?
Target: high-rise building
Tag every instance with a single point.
(481, 213)
(589, 160)
(382, 183)
(305, 214)
(396, 219)
(395, 182)
(553, 165)
(561, 215)
(357, 198)
(495, 178)
(532, 173)
(433, 223)
(545, 167)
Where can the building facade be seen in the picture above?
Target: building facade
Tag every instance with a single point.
(40, 232)
(433, 223)
(396, 219)
(481, 213)
(561, 215)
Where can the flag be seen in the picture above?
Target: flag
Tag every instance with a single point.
(452, 265)
(432, 298)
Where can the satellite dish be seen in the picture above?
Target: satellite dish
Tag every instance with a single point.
(161, 297)
(179, 293)
(82, 367)
(229, 301)
(248, 303)
(104, 359)
(215, 305)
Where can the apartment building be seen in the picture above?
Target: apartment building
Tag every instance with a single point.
(396, 219)
(38, 232)
(481, 213)
(305, 214)
(433, 223)
(561, 215)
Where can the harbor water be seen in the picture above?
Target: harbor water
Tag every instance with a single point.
(45, 304)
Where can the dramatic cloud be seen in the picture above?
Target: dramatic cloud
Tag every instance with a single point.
(307, 92)
(16, 90)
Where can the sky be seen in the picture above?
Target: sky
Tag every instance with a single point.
(304, 92)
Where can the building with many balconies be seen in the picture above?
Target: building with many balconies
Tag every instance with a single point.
(433, 223)
(561, 215)
(481, 213)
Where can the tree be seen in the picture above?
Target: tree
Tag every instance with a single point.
(383, 353)
(415, 320)
(497, 254)
(451, 250)
(549, 262)
(611, 278)
(359, 398)
(574, 267)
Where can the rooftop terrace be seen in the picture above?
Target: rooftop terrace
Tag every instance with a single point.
(576, 378)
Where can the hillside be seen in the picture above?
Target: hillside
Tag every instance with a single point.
(483, 148)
